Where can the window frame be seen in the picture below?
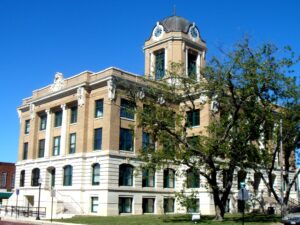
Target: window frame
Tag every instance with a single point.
(160, 67)
(192, 180)
(56, 148)
(126, 175)
(41, 151)
(98, 139)
(127, 109)
(72, 144)
(166, 205)
(3, 179)
(93, 204)
(25, 150)
(122, 204)
(67, 175)
(148, 175)
(35, 176)
(96, 174)
(58, 118)
(43, 122)
(99, 108)
(22, 178)
(126, 140)
(74, 114)
(27, 126)
(168, 178)
(145, 205)
(193, 118)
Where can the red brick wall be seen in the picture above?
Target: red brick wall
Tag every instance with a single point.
(10, 169)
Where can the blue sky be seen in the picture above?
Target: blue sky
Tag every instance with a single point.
(41, 37)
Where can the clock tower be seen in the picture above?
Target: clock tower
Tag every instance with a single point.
(174, 39)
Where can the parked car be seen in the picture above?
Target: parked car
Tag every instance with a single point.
(292, 218)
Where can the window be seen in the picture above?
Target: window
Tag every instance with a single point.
(72, 144)
(148, 179)
(126, 139)
(74, 111)
(125, 175)
(169, 205)
(192, 179)
(169, 178)
(148, 144)
(94, 204)
(125, 205)
(58, 119)
(35, 176)
(99, 108)
(41, 148)
(12, 180)
(52, 177)
(22, 178)
(68, 173)
(148, 205)
(192, 64)
(96, 174)
(98, 139)
(127, 109)
(159, 64)
(43, 122)
(56, 146)
(193, 205)
(193, 118)
(27, 126)
(3, 179)
(25, 151)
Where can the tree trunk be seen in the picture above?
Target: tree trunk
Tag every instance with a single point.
(219, 213)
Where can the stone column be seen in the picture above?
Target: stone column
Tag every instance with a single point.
(63, 130)
(48, 134)
(166, 60)
(198, 66)
(152, 65)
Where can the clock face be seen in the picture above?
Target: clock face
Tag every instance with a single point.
(194, 32)
(157, 31)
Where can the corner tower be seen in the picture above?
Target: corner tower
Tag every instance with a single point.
(174, 39)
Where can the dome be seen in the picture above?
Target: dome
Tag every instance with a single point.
(176, 24)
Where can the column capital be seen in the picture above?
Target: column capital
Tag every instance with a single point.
(48, 111)
(63, 106)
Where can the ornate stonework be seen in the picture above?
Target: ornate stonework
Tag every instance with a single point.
(140, 94)
(214, 105)
(32, 111)
(58, 83)
(202, 98)
(80, 96)
(111, 85)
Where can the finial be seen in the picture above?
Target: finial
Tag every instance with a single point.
(174, 10)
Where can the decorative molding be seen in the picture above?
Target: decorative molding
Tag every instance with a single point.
(111, 84)
(214, 105)
(202, 99)
(19, 115)
(80, 96)
(32, 111)
(58, 83)
(140, 94)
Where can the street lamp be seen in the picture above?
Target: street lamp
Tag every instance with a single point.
(38, 212)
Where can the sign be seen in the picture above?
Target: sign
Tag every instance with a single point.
(53, 193)
(298, 157)
(18, 191)
(243, 194)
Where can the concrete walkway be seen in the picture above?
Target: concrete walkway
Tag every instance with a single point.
(25, 221)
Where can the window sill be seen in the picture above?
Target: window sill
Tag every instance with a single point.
(72, 124)
(98, 118)
(126, 151)
(128, 119)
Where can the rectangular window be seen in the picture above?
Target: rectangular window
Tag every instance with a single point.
(72, 145)
(3, 179)
(56, 146)
(27, 126)
(148, 205)
(74, 111)
(41, 148)
(22, 178)
(12, 181)
(125, 205)
(99, 108)
(98, 139)
(126, 139)
(159, 64)
(148, 178)
(169, 205)
(94, 204)
(192, 64)
(43, 122)
(193, 205)
(193, 118)
(25, 150)
(127, 109)
(147, 142)
(58, 119)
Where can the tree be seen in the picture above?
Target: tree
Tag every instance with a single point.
(237, 96)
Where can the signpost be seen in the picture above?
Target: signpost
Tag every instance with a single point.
(52, 196)
(17, 193)
(243, 196)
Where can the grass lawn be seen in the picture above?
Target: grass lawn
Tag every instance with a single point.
(250, 219)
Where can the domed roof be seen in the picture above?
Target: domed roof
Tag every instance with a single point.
(176, 24)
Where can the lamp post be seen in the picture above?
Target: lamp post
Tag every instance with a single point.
(38, 212)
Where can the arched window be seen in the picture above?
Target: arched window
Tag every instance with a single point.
(22, 178)
(96, 174)
(125, 175)
(169, 178)
(192, 178)
(68, 173)
(51, 173)
(35, 175)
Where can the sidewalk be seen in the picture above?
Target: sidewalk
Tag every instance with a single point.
(32, 221)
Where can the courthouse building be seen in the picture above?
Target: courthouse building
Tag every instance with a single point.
(76, 137)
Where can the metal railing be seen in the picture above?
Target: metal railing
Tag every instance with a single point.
(22, 211)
